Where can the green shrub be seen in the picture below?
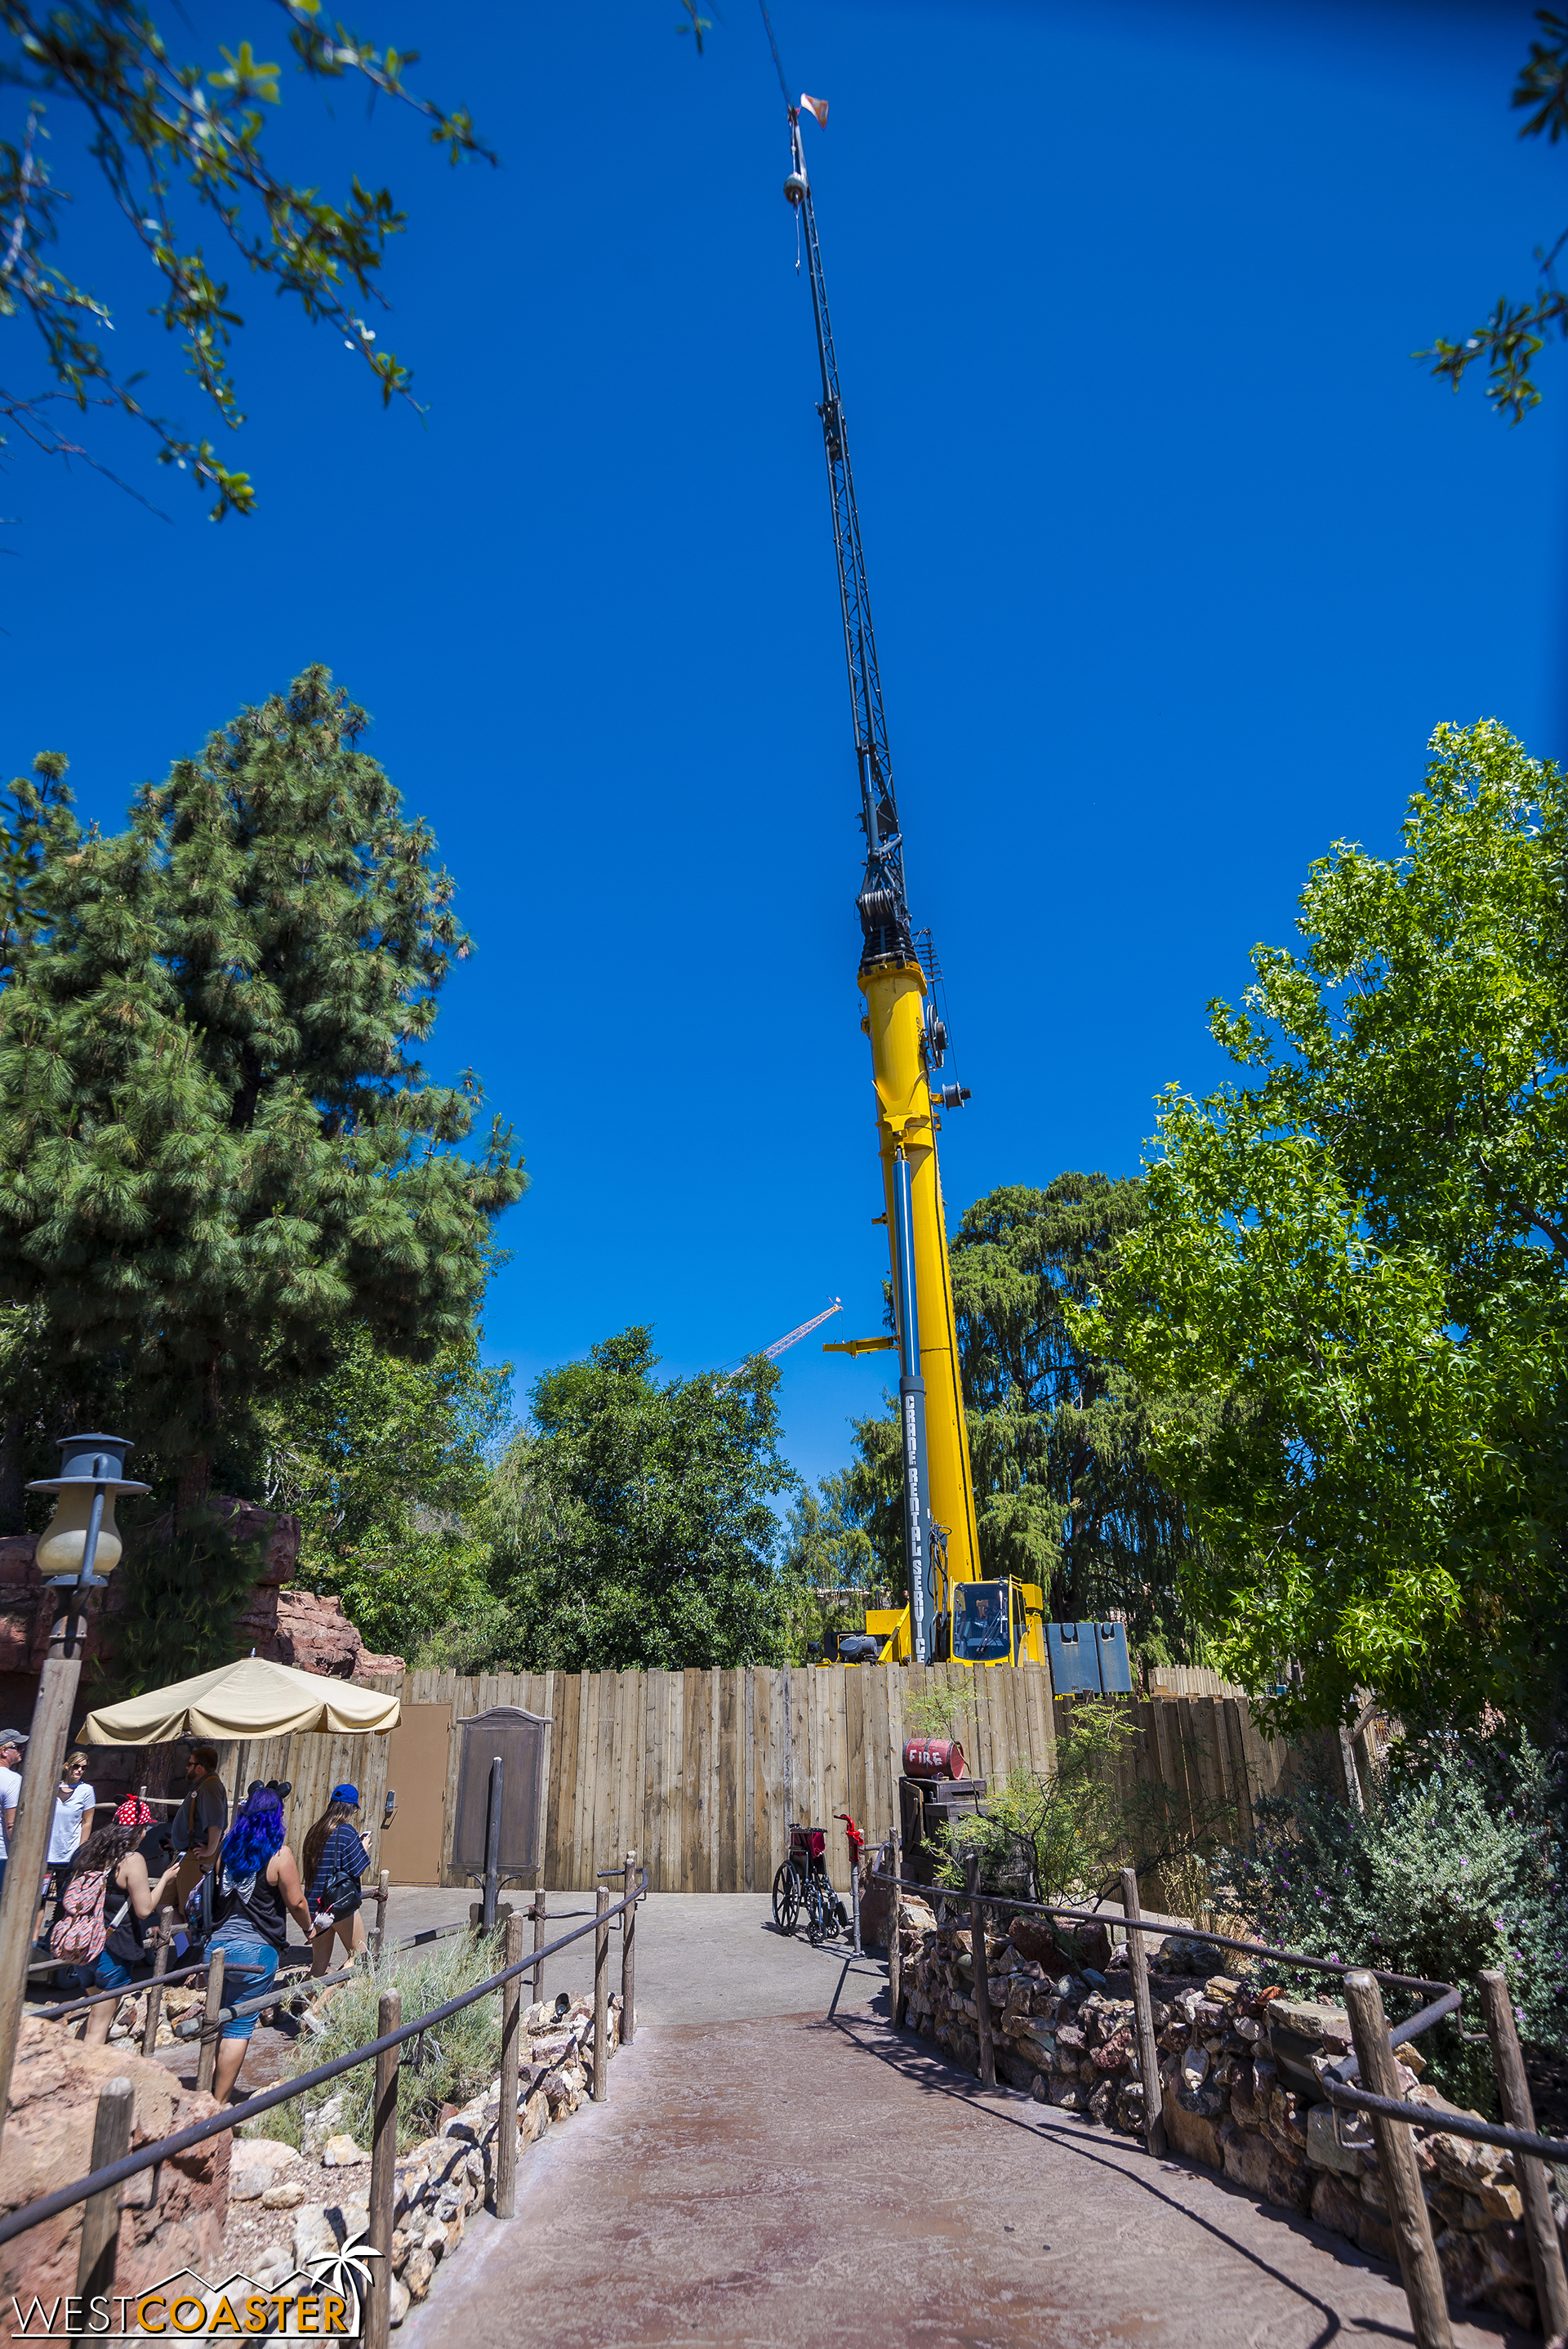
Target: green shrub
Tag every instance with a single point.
(454, 2061)
(1455, 1865)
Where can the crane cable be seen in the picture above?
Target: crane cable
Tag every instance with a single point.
(778, 65)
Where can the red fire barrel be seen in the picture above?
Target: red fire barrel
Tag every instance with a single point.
(933, 1757)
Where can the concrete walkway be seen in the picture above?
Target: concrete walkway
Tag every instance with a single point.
(702, 1957)
(773, 2176)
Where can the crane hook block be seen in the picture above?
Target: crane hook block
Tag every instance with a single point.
(795, 187)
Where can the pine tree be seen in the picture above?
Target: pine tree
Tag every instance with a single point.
(1065, 1495)
(219, 1156)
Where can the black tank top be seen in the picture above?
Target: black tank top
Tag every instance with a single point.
(251, 1898)
(127, 1941)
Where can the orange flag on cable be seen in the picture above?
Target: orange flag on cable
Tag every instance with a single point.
(817, 106)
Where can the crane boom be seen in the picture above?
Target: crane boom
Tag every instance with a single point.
(793, 1337)
(941, 1537)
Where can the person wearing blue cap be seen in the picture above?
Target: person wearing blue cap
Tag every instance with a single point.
(335, 1861)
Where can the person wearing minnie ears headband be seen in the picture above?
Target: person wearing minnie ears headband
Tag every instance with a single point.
(111, 1874)
(335, 1861)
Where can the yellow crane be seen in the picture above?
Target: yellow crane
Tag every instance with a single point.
(953, 1609)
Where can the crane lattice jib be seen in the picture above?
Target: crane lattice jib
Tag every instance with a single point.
(883, 907)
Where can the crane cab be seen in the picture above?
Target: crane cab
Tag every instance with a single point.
(999, 1622)
(996, 1622)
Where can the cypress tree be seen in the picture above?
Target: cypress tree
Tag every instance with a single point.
(219, 1156)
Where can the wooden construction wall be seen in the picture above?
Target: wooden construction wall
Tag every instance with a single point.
(701, 1773)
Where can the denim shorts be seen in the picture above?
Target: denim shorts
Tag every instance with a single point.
(109, 1974)
(249, 1965)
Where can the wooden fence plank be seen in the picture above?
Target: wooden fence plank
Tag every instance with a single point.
(600, 1825)
(856, 1694)
(691, 1764)
(730, 1782)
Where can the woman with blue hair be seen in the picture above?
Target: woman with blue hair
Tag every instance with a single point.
(256, 1890)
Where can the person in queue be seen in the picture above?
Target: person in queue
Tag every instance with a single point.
(12, 1740)
(199, 1823)
(256, 1889)
(129, 1898)
(70, 1827)
(335, 1861)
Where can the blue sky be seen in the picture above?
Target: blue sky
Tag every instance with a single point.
(1175, 557)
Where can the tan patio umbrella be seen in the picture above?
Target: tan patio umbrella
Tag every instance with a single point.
(250, 1699)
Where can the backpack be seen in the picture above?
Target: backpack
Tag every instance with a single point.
(341, 1890)
(81, 1930)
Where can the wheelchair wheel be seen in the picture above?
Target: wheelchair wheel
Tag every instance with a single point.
(786, 1899)
(821, 1923)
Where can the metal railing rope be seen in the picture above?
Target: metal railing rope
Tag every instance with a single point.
(116, 2173)
(1449, 2124)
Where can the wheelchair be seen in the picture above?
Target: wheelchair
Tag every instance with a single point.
(802, 1888)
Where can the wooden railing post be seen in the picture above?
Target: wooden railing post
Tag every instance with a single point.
(540, 1909)
(1143, 2014)
(602, 1996)
(100, 2216)
(895, 1971)
(207, 2061)
(383, 1887)
(1518, 2112)
(1398, 2173)
(29, 1835)
(506, 2126)
(154, 1988)
(629, 1954)
(384, 2173)
(982, 1971)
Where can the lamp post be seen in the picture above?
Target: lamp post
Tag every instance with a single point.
(80, 1536)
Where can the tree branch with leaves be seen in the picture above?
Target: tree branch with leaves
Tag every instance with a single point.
(1510, 340)
(168, 136)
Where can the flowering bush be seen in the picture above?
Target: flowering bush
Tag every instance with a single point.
(1455, 1865)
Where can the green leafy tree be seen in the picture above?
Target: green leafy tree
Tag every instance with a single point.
(221, 1160)
(633, 1525)
(178, 144)
(1510, 340)
(849, 1531)
(1361, 1247)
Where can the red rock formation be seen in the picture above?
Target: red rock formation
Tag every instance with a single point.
(289, 1626)
(48, 2143)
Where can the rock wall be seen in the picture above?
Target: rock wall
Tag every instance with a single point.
(288, 1626)
(1238, 2067)
(180, 2207)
